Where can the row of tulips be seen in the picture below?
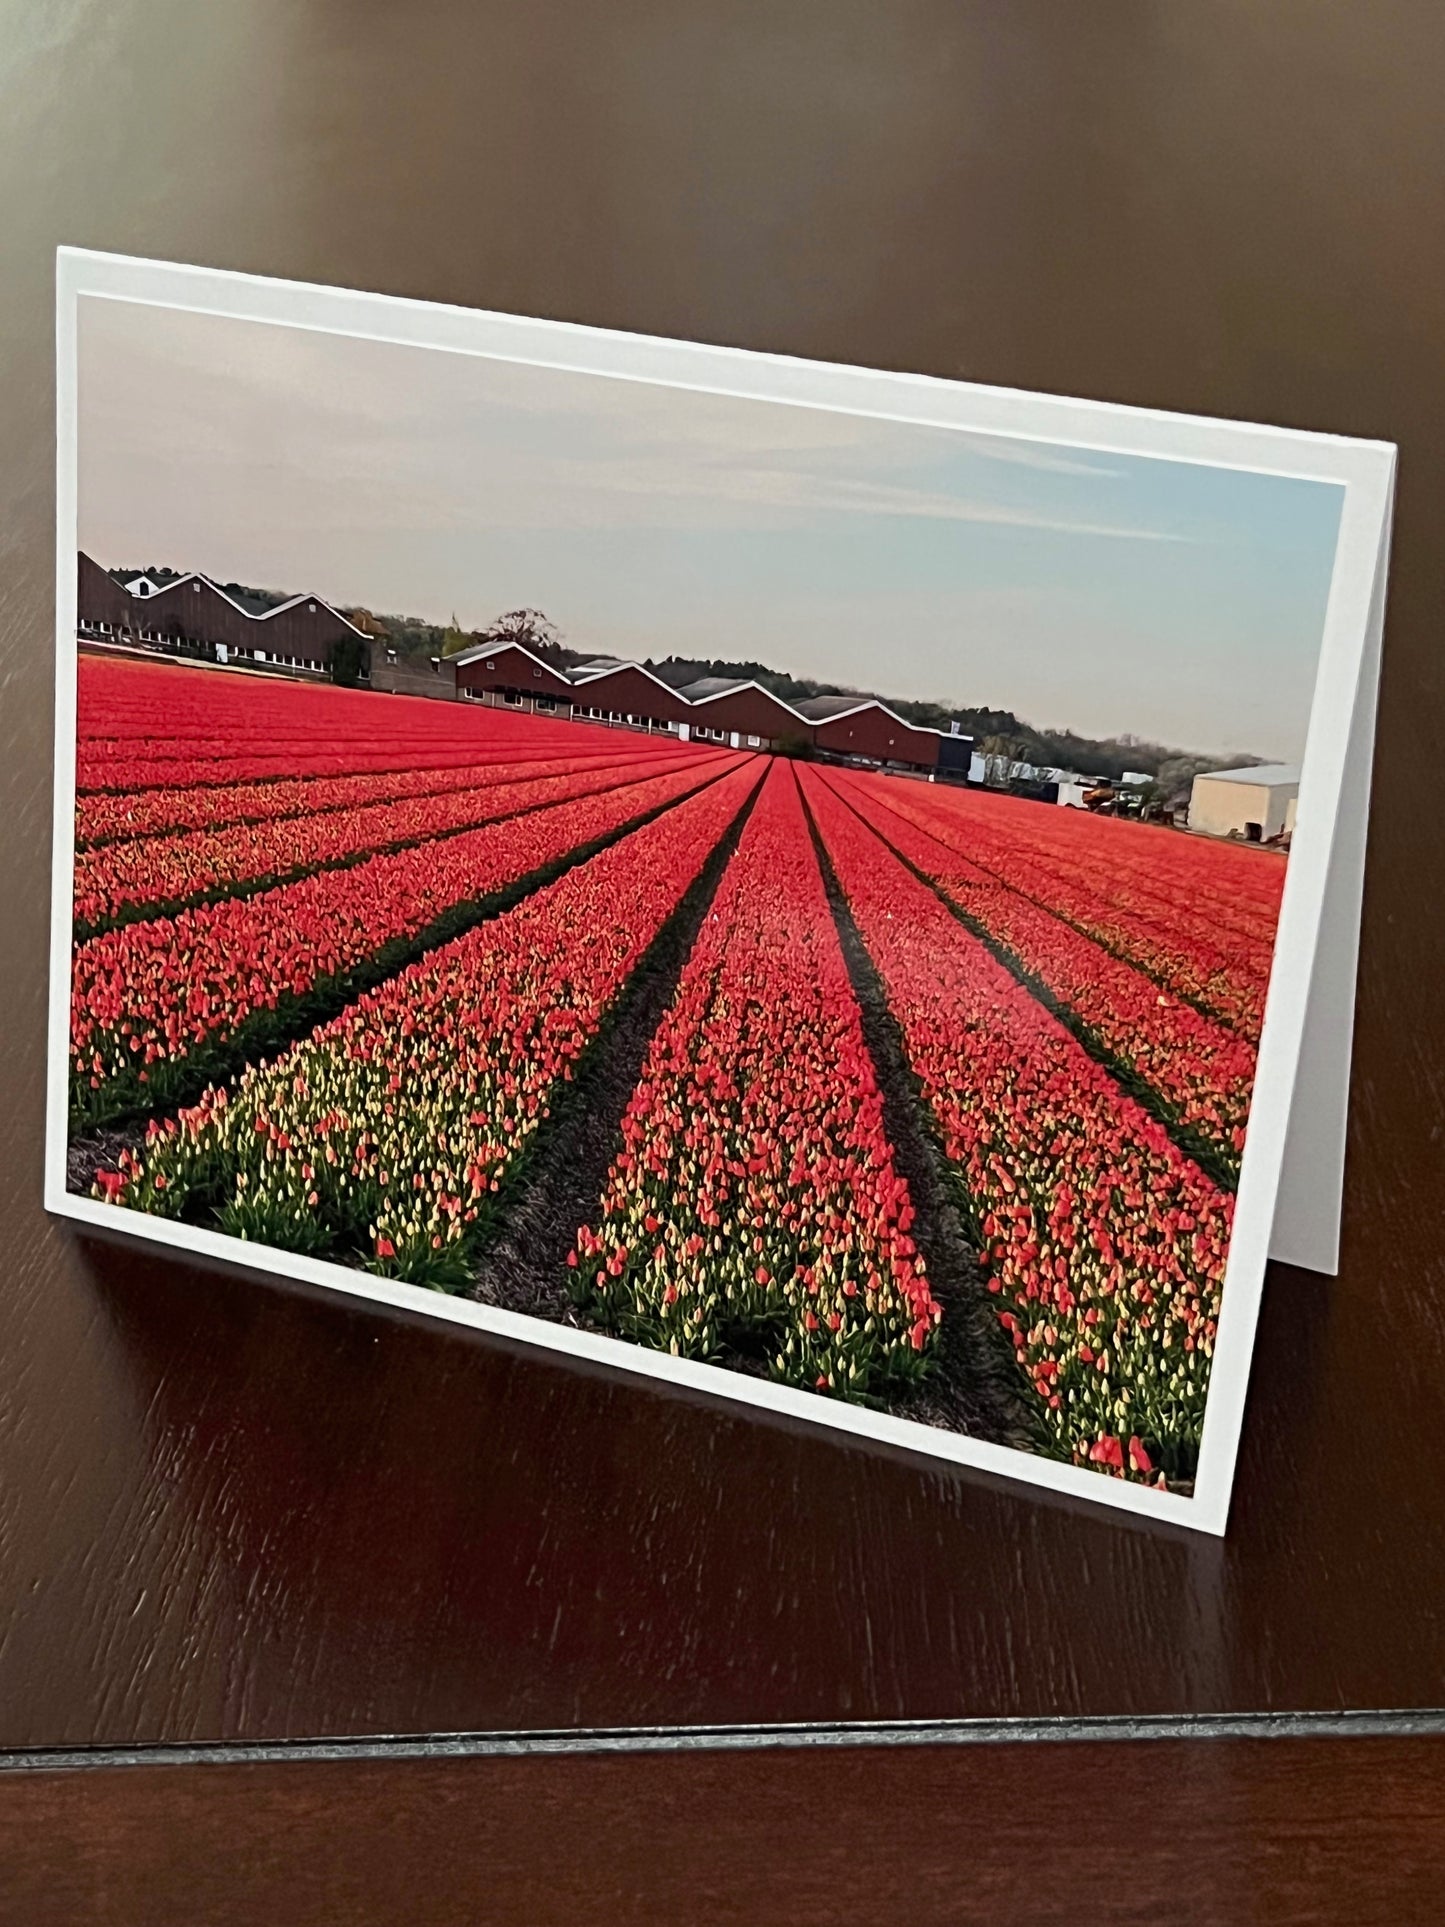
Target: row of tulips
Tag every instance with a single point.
(102, 817)
(1183, 948)
(1243, 883)
(131, 702)
(149, 725)
(754, 1208)
(159, 1008)
(1104, 1245)
(385, 1136)
(1197, 1073)
(171, 768)
(157, 876)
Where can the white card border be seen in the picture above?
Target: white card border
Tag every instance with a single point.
(1364, 469)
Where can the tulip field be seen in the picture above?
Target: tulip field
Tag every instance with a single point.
(861, 1084)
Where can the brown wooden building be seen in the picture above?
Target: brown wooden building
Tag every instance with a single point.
(191, 615)
(631, 696)
(508, 676)
(713, 709)
(102, 606)
(743, 714)
(853, 726)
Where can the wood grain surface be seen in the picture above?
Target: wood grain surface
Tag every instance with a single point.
(1230, 1833)
(229, 1509)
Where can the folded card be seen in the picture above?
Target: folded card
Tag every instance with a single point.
(838, 890)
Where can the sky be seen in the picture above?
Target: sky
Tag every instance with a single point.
(1104, 593)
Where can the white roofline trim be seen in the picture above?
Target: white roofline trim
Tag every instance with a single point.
(875, 702)
(290, 603)
(617, 668)
(195, 575)
(701, 702)
(482, 649)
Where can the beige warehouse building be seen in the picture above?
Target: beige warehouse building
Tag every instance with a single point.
(1257, 804)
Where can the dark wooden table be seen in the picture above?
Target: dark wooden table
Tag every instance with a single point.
(233, 1512)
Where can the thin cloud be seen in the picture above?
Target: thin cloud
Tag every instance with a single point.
(1049, 460)
(776, 490)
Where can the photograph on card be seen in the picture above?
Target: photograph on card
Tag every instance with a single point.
(789, 889)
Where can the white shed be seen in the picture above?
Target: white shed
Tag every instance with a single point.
(1256, 803)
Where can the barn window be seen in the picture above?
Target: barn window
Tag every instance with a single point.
(536, 672)
(755, 742)
(195, 588)
(491, 665)
(311, 608)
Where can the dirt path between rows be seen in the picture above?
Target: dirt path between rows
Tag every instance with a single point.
(524, 1267)
(975, 1386)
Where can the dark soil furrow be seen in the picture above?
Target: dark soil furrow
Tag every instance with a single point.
(1201, 1004)
(975, 1386)
(97, 1151)
(1211, 1157)
(523, 1267)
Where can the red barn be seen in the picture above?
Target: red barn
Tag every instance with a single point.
(191, 615)
(743, 714)
(102, 606)
(861, 726)
(302, 632)
(507, 676)
(630, 695)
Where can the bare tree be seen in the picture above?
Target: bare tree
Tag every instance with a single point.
(531, 629)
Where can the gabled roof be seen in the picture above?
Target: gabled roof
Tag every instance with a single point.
(832, 709)
(486, 650)
(707, 687)
(1271, 775)
(597, 666)
(824, 708)
(195, 576)
(291, 603)
(715, 688)
(588, 677)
